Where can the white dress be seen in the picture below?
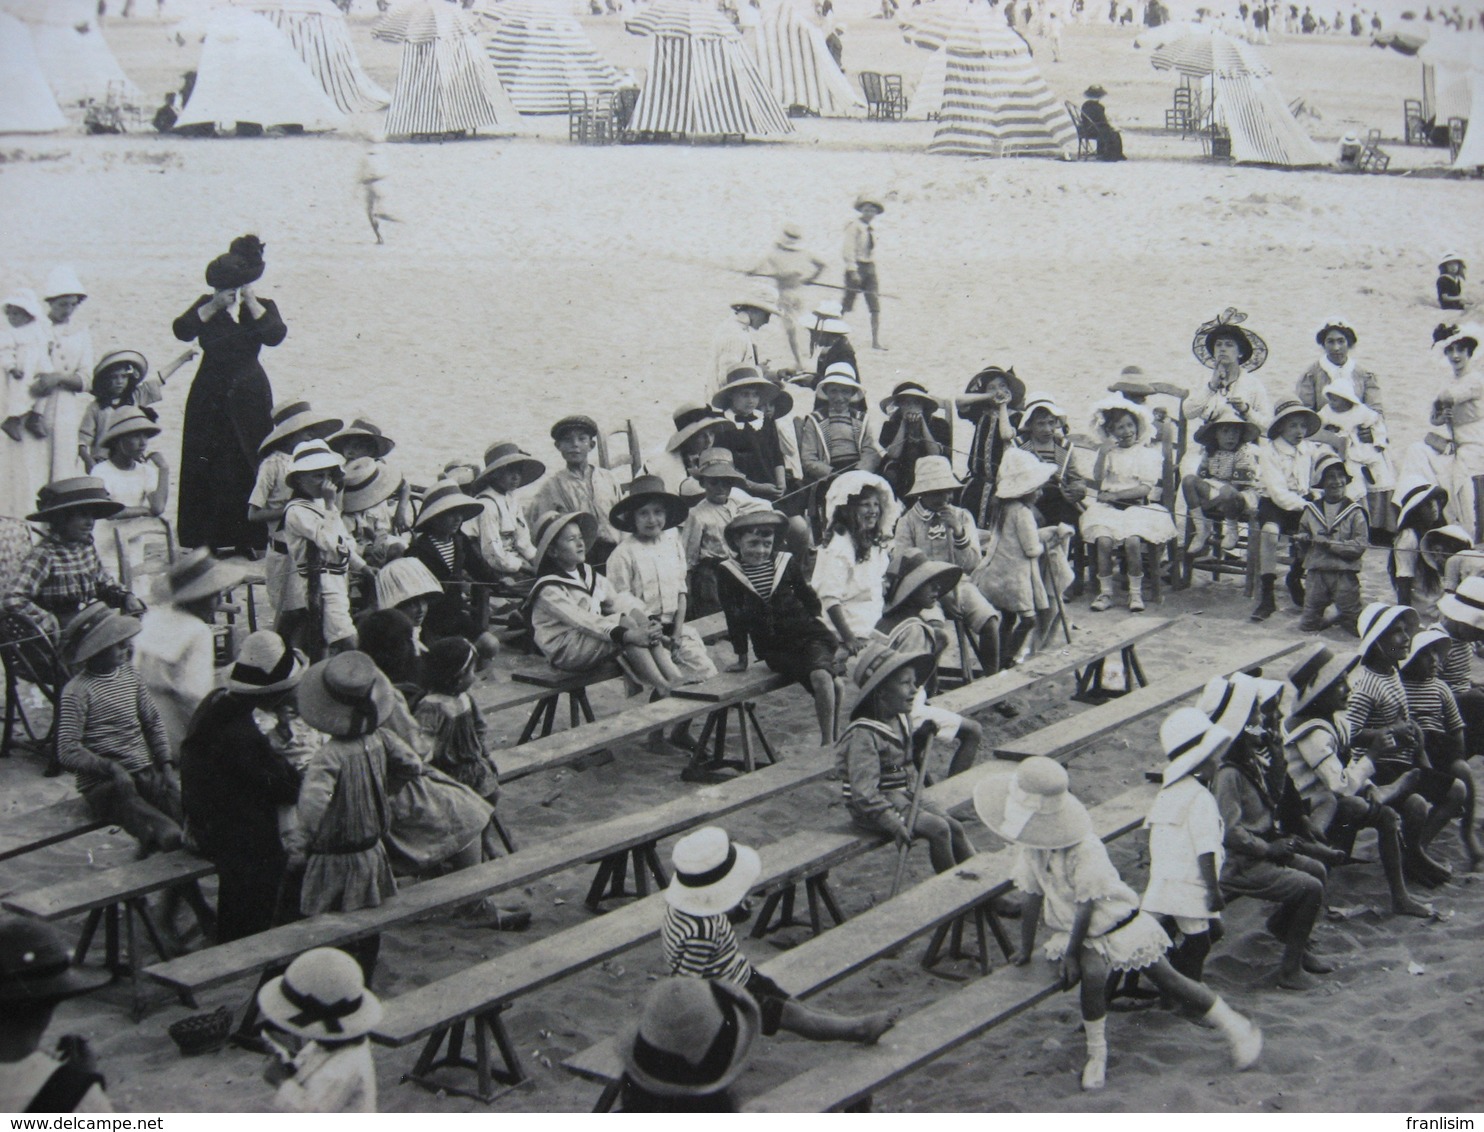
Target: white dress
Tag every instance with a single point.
(132, 487)
(71, 352)
(1139, 466)
(25, 463)
(859, 588)
(1183, 823)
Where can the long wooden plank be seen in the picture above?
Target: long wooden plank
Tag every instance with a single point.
(97, 890)
(1061, 739)
(226, 962)
(47, 825)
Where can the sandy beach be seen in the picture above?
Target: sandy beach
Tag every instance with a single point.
(526, 278)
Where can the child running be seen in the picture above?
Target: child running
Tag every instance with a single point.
(1097, 928)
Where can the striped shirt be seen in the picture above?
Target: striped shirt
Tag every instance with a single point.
(761, 577)
(109, 715)
(703, 947)
(1431, 704)
(445, 549)
(1376, 699)
(1457, 668)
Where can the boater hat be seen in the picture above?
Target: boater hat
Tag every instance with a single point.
(296, 416)
(647, 489)
(1292, 408)
(712, 872)
(1335, 323)
(127, 422)
(96, 628)
(264, 665)
(1317, 671)
(446, 496)
(1225, 415)
(315, 456)
(1020, 474)
(36, 964)
(505, 454)
(877, 662)
(403, 579)
(909, 390)
(748, 377)
(752, 515)
(1467, 605)
(1189, 738)
(79, 493)
(1423, 641)
(841, 374)
(552, 523)
(1227, 701)
(1378, 617)
(1033, 806)
(691, 420)
(346, 695)
(1412, 492)
(717, 464)
(1441, 543)
(1252, 351)
(692, 1039)
(1323, 464)
(199, 574)
(368, 482)
(322, 996)
(120, 358)
(363, 429)
(916, 570)
(933, 473)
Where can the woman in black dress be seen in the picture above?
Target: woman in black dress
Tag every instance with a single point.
(1110, 141)
(228, 412)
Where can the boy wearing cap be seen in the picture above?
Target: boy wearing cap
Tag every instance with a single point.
(859, 254)
(1334, 535)
(578, 485)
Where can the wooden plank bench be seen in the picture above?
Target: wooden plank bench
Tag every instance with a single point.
(47, 825)
(119, 899)
(931, 906)
(225, 963)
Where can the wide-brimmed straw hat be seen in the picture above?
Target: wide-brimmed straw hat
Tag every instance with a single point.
(1422, 641)
(292, 417)
(264, 666)
(1467, 604)
(1131, 384)
(849, 484)
(1033, 807)
(1012, 382)
(1227, 701)
(63, 280)
(322, 996)
(368, 482)
(691, 420)
(345, 695)
(756, 301)
(877, 662)
(36, 964)
(712, 873)
(843, 375)
(1378, 617)
(507, 454)
(1252, 351)
(1122, 404)
(751, 515)
(128, 421)
(1292, 408)
(693, 1038)
(95, 628)
(1189, 738)
(1438, 545)
(909, 391)
(444, 497)
(403, 579)
(933, 473)
(314, 456)
(362, 429)
(830, 324)
(1469, 333)
(1318, 670)
(1226, 415)
(1040, 403)
(1335, 323)
(79, 493)
(551, 524)
(198, 573)
(1324, 463)
(647, 489)
(120, 358)
(1021, 473)
(1412, 492)
(916, 570)
(749, 377)
(717, 464)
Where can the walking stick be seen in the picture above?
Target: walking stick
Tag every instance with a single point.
(314, 631)
(919, 766)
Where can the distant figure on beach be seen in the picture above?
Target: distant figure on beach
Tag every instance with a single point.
(165, 116)
(860, 263)
(1110, 141)
(1451, 271)
(373, 173)
(792, 267)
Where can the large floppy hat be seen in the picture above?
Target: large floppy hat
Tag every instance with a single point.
(1252, 351)
(1441, 543)
(1412, 492)
(507, 454)
(95, 628)
(1378, 617)
(290, 417)
(128, 421)
(1013, 383)
(1467, 604)
(1227, 701)
(647, 489)
(1189, 738)
(1020, 474)
(933, 473)
(61, 281)
(749, 377)
(1291, 408)
(909, 391)
(847, 485)
(444, 497)
(361, 428)
(712, 873)
(403, 579)
(877, 662)
(345, 695)
(916, 570)
(1318, 670)
(552, 523)
(1122, 404)
(79, 493)
(691, 420)
(115, 358)
(692, 1039)
(198, 573)
(264, 666)
(322, 996)
(1423, 641)
(1335, 323)
(1226, 415)
(1033, 806)
(36, 964)
(1469, 334)
(368, 482)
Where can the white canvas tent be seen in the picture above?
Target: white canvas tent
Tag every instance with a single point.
(317, 31)
(27, 105)
(797, 65)
(446, 84)
(249, 72)
(540, 52)
(69, 44)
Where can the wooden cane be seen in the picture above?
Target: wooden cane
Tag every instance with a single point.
(919, 766)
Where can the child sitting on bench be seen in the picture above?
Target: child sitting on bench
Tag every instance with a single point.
(323, 1000)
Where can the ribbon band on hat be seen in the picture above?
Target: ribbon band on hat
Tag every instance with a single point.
(1463, 599)
(1021, 806)
(312, 1010)
(667, 1066)
(1189, 745)
(363, 717)
(252, 674)
(1225, 702)
(710, 876)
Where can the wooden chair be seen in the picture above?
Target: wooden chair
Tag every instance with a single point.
(626, 455)
(577, 116)
(1414, 126)
(1457, 127)
(1373, 159)
(1177, 117)
(875, 94)
(894, 97)
(1087, 137)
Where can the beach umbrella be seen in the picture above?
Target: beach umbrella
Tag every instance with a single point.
(27, 105)
(318, 33)
(1205, 50)
(540, 52)
(927, 26)
(445, 84)
(420, 21)
(797, 65)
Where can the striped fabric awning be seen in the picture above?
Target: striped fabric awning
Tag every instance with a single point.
(446, 83)
(1471, 154)
(318, 32)
(797, 65)
(995, 101)
(1204, 50)
(682, 17)
(541, 52)
(705, 86)
(1262, 128)
(928, 25)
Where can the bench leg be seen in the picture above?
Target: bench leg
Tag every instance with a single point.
(608, 1097)
(747, 761)
(579, 696)
(136, 985)
(1001, 936)
(1132, 667)
(88, 929)
(600, 881)
(543, 707)
(820, 882)
(502, 833)
(750, 710)
(486, 1026)
(770, 905)
(651, 862)
(111, 938)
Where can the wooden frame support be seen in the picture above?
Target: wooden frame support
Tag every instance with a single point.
(613, 872)
(579, 711)
(781, 902)
(487, 1026)
(951, 932)
(1090, 686)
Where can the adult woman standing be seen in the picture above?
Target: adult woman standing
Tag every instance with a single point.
(229, 410)
(69, 371)
(1453, 460)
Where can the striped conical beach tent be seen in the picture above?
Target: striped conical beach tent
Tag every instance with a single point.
(27, 105)
(702, 82)
(797, 65)
(928, 25)
(995, 102)
(446, 84)
(1263, 130)
(540, 52)
(69, 44)
(317, 31)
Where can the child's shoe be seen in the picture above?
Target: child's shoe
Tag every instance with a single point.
(1095, 1072)
(1229, 536)
(14, 427)
(1136, 593)
(1104, 600)
(1241, 1033)
(36, 426)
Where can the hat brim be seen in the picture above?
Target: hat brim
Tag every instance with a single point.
(1207, 431)
(890, 404)
(317, 425)
(289, 682)
(466, 509)
(1329, 675)
(1250, 358)
(1014, 487)
(129, 428)
(766, 390)
(950, 484)
(927, 572)
(1068, 826)
(98, 508)
(749, 1025)
(623, 512)
(1132, 389)
(751, 520)
(922, 664)
(722, 895)
(1404, 613)
(317, 461)
(586, 523)
(756, 305)
(384, 444)
(114, 630)
(1411, 504)
(117, 358)
(733, 475)
(531, 470)
(67, 984)
(695, 428)
(281, 1012)
(1458, 609)
(1311, 421)
(824, 324)
(381, 488)
(1216, 740)
(323, 712)
(221, 576)
(1434, 638)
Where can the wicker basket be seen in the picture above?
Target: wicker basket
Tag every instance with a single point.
(202, 1033)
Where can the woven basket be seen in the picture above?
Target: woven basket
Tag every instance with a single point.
(202, 1033)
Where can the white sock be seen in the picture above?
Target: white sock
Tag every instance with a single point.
(1095, 1072)
(1241, 1034)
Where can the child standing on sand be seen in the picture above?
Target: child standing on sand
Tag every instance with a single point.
(1451, 271)
(1334, 534)
(1063, 868)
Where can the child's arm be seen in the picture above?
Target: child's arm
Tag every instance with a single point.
(1215, 902)
(1351, 540)
(830, 576)
(863, 773)
(318, 787)
(1275, 485)
(1030, 918)
(575, 613)
(155, 735)
(1027, 533)
(812, 454)
(87, 433)
(160, 497)
(26, 587)
(966, 554)
(732, 598)
(72, 733)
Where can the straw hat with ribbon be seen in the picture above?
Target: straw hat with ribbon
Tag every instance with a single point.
(1291, 408)
(841, 375)
(322, 996)
(264, 666)
(36, 964)
(749, 377)
(1412, 492)
(1421, 642)
(1189, 738)
(1227, 701)
(506, 454)
(1033, 807)
(446, 497)
(95, 628)
(933, 473)
(1121, 404)
(1252, 351)
(198, 574)
(1317, 671)
(712, 873)
(1020, 474)
(910, 391)
(552, 524)
(1379, 617)
(80, 493)
(1323, 463)
(362, 429)
(368, 482)
(1226, 415)
(345, 695)
(128, 421)
(691, 420)
(692, 1039)
(916, 570)
(1467, 605)
(1440, 544)
(647, 489)
(115, 358)
(403, 579)
(314, 456)
(877, 662)
(291, 418)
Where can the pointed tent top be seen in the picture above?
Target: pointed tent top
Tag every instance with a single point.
(697, 19)
(422, 21)
(1204, 50)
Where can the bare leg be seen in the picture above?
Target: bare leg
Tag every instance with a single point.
(821, 1027)
(988, 650)
(1094, 996)
(1466, 833)
(1243, 1037)
(642, 661)
(970, 734)
(939, 836)
(823, 683)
